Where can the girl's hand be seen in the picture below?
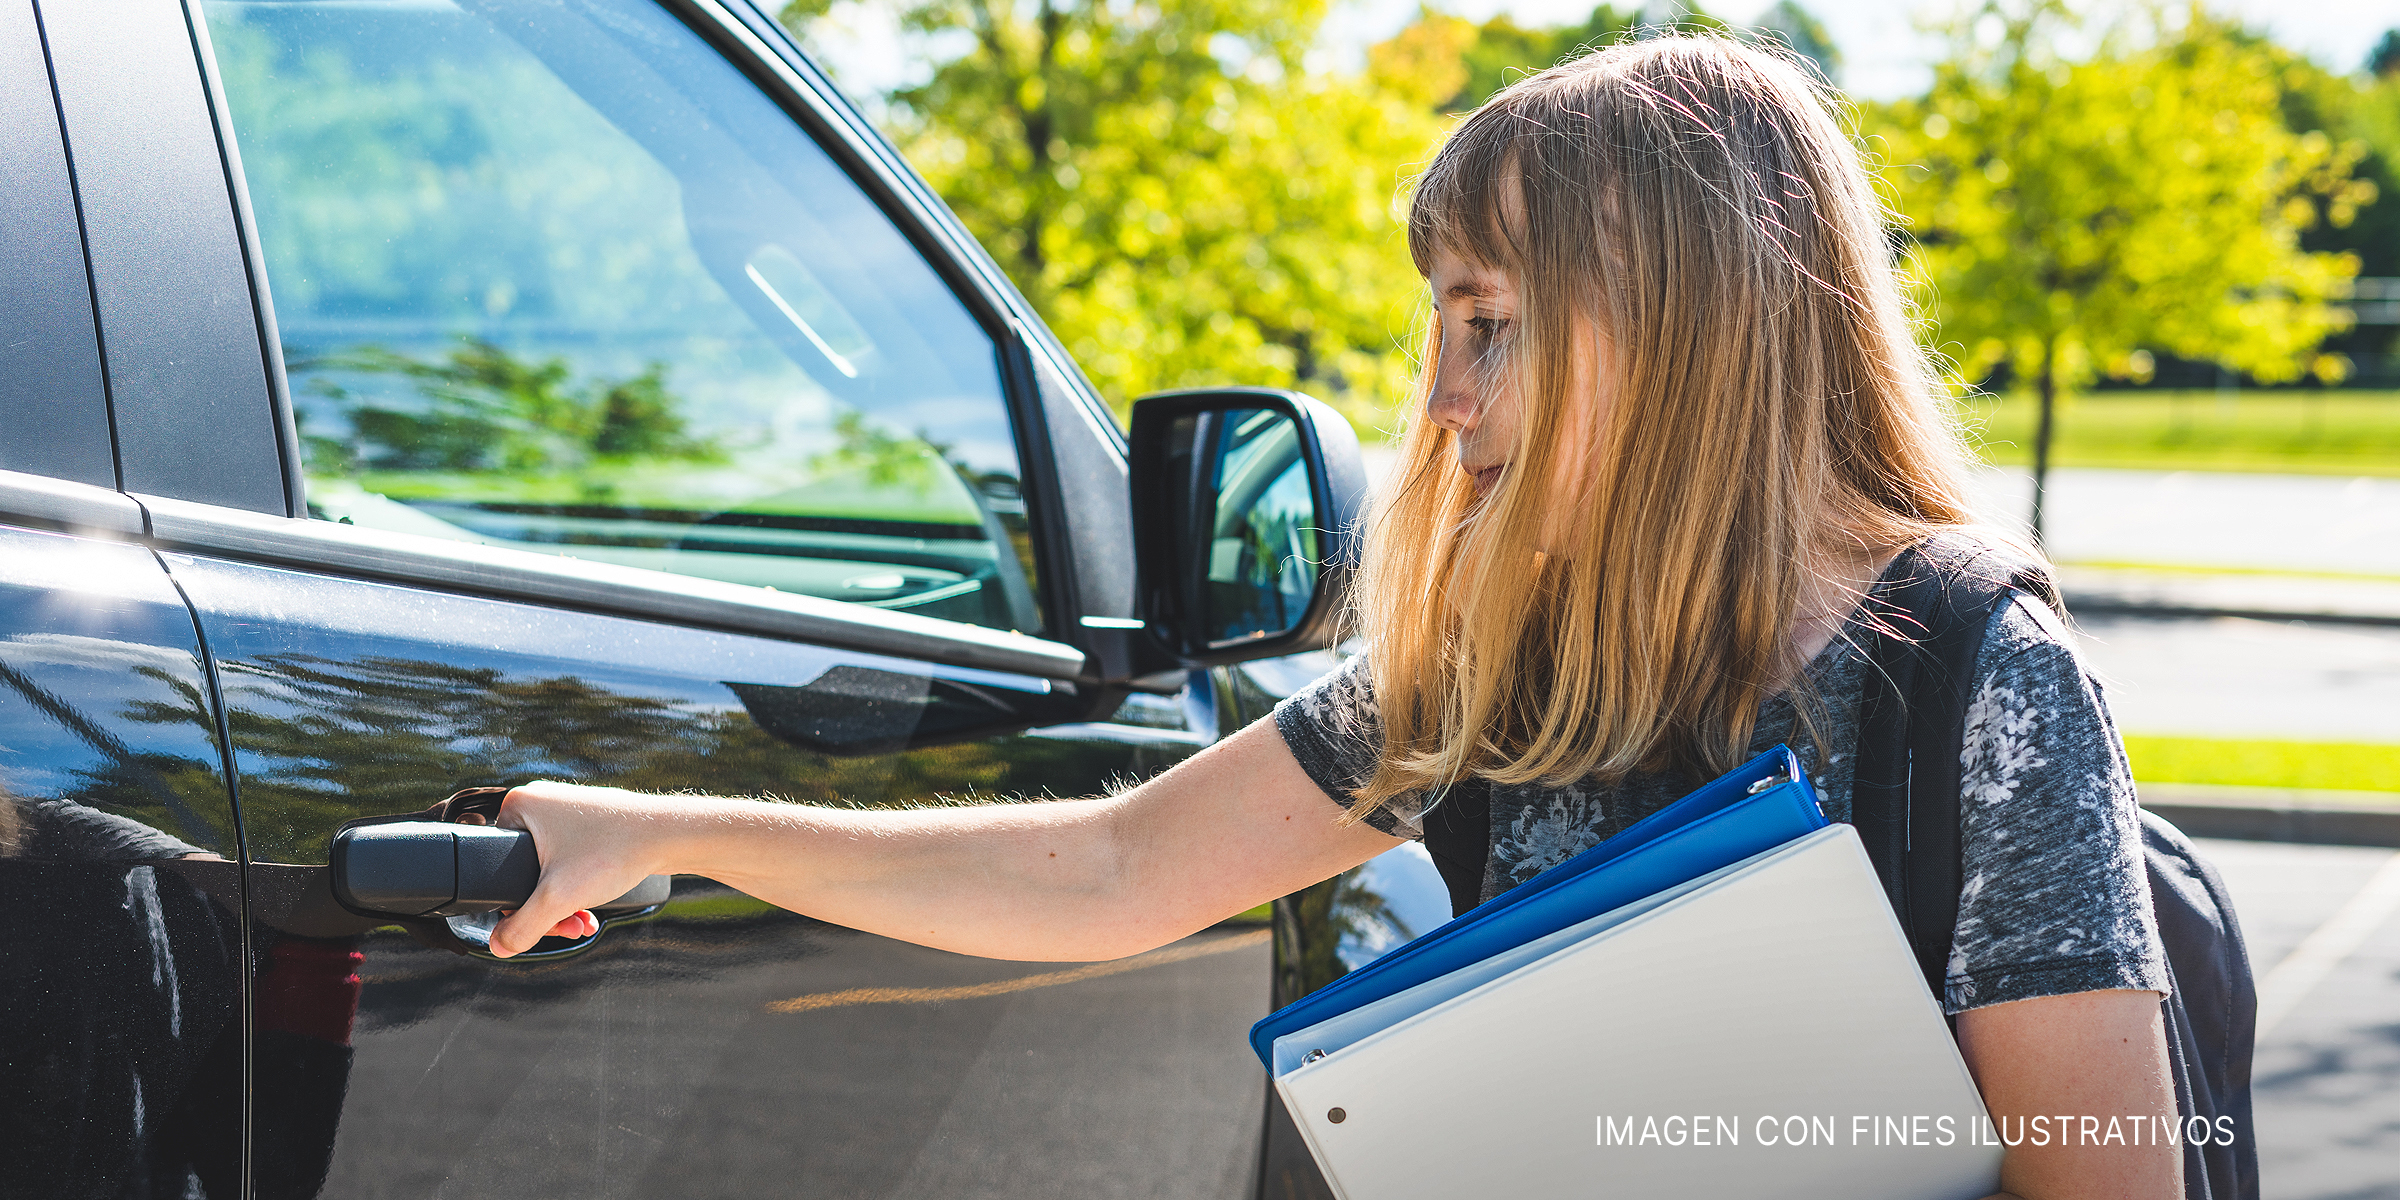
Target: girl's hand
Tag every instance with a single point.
(593, 848)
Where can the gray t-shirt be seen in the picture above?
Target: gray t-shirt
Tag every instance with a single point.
(2055, 899)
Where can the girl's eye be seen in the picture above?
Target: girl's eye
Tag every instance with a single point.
(1487, 328)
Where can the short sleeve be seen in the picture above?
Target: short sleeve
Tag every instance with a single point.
(2055, 897)
(1333, 730)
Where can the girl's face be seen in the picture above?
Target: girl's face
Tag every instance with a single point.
(1475, 392)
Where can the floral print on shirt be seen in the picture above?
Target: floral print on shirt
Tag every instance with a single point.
(2054, 900)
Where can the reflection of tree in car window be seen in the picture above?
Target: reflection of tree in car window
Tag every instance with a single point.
(482, 409)
(560, 275)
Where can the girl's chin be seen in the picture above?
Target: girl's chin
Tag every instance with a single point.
(1487, 479)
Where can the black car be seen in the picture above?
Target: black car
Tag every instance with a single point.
(406, 396)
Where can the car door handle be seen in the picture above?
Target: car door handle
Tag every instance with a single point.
(440, 869)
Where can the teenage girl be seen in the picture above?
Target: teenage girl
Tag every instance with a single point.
(1674, 428)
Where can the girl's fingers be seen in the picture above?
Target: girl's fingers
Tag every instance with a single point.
(581, 925)
(574, 926)
(542, 915)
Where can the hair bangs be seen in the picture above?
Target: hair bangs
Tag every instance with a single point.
(1461, 205)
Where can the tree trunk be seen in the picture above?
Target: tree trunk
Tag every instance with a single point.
(2046, 383)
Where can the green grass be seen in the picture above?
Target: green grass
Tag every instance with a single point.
(2155, 568)
(2301, 432)
(2333, 766)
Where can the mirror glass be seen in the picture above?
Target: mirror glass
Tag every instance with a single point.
(1260, 537)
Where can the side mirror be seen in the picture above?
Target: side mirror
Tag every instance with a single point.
(1246, 512)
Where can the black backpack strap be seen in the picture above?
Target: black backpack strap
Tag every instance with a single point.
(1928, 616)
(1458, 836)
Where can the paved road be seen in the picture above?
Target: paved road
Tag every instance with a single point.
(2327, 1084)
(2237, 678)
(2190, 518)
(2210, 518)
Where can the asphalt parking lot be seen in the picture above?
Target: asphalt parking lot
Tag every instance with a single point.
(2234, 677)
(2327, 1074)
(2324, 940)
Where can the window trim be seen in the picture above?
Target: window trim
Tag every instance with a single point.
(500, 572)
(562, 582)
(56, 399)
(67, 506)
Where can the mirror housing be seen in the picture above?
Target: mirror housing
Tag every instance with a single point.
(1247, 512)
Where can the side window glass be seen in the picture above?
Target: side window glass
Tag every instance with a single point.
(553, 274)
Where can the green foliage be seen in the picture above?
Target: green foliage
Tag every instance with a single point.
(2313, 431)
(2367, 113)
(1183, 201)
(484, 409)
(1803, 34)
(882, 458)
(2066, 215)
(1501, 51)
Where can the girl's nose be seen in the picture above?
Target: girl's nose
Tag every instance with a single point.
(1450, 407)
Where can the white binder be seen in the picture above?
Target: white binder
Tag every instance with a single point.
(1678, 1046)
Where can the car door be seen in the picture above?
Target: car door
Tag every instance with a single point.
(121, 958)
(120, 1072)
(566, 389)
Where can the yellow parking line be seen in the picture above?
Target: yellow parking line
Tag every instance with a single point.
(1002, 987)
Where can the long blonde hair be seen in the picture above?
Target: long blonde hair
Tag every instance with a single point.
(1693, 202)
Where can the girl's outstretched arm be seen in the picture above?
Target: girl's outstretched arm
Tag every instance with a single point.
(1230, 828)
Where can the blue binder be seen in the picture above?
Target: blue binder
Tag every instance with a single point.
(1721, 824)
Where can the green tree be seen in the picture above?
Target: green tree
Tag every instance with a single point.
(2362, 114)
(1502, 52)
(1183, 200)
(2384, 61)
(1804, 35)
(2373, 118)
(2068, 216)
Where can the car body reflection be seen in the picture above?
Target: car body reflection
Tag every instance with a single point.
(121, 1060)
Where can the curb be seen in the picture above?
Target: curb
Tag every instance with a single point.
(2275, 815)
(2087, 603)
